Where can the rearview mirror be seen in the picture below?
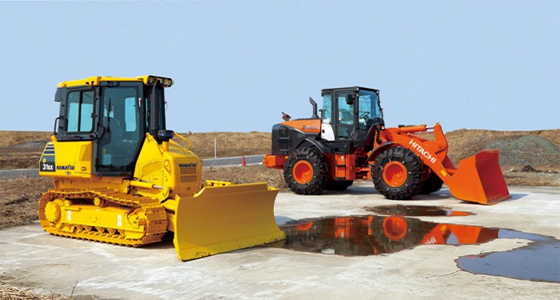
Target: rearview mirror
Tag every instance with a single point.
(349, 99)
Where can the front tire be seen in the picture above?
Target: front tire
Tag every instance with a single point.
(306, 171)
(398, 173)
(432, 184)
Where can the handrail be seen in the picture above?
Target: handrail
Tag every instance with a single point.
(184, 139)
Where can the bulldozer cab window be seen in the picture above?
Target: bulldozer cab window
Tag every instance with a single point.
(79, 114)
(160, 102)
(120, 118)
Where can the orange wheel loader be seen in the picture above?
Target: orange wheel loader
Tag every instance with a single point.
(119, 177)
(349, 141)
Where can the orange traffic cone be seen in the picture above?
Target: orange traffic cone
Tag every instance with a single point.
(243, 162)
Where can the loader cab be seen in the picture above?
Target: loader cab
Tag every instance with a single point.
(113, 115)
(349, 113)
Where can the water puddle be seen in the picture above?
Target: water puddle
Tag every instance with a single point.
(539, 260)
(416, 210)
(374, 234)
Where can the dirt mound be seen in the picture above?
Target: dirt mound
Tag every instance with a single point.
(517, 148)
(526, 150)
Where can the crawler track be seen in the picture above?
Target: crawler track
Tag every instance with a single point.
(149, 214)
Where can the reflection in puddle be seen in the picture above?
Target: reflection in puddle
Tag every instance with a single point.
(369, 235)
(374, 234)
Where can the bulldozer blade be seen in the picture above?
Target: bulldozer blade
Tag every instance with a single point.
(220, 219)
(479, 179)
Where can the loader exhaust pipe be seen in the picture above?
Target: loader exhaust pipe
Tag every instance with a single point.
(314, 104)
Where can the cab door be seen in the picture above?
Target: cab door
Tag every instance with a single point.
(121, 122)
(344, 119)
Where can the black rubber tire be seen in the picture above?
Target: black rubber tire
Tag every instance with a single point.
(415, 177)
(432, 184)
(338, 185)
(320, 171)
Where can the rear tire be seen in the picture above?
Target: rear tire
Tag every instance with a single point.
(338, 185)
(306, 171)
(398, 173)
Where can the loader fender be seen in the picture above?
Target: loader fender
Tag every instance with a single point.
(313, 143)
(380, 150)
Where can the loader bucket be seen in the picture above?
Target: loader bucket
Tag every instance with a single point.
(225, 218)
(479, 179)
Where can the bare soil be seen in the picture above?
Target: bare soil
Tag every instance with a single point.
(19, 199)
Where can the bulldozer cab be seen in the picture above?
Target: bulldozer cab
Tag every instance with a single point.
(349, 113)
(112, 114)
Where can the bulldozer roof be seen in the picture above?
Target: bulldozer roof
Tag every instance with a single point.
(354, 88)
(95, 80)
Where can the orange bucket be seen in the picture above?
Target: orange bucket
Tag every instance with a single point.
(479, 179)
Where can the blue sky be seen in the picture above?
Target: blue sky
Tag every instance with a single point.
(238, 65)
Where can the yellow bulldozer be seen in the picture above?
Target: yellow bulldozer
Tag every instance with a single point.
(119, 178)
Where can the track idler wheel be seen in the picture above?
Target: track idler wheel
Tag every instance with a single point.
(52, 211)
(398, 173)
(306, 171)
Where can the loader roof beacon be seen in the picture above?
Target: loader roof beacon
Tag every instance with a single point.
(350, 141)
(119, 177)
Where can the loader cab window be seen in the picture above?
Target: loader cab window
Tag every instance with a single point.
(368, 109)
(326, 112)
(79, 114)
(345, 118)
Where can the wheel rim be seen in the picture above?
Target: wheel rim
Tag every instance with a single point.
(395, 228)
(394, 174)
(303, 171)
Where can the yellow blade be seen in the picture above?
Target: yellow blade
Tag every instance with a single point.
(225, 218)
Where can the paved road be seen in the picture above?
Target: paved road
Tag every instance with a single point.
(31, 258)
(208, 162)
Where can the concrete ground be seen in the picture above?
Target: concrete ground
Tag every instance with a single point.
(31, 258)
